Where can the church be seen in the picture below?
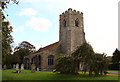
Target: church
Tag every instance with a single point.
(71, 35)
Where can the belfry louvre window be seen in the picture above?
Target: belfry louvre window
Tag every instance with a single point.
(50, 60)
(77, 22)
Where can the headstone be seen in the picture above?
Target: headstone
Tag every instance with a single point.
(54, 70)
(33, 68)
(37, 69)
(22, 66)
(17, 68)
(4, 67)
(13, 66)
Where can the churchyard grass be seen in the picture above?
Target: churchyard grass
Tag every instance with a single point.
(49, 75)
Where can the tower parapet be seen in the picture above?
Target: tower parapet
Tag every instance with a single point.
(70, 10)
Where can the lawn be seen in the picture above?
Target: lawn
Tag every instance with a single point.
(48, 75)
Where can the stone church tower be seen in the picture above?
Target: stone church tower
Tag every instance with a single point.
(71, 33)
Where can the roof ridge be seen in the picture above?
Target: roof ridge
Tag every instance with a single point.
(47, 46)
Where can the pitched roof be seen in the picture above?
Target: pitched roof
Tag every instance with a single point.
(49, 47)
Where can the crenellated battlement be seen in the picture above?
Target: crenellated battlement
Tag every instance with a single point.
(70, 10)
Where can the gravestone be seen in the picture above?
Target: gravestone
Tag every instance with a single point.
(33, 68)
(13, 66)
(10, 66)
(17, 68)
(54, 70)
(37, 69)
(4, 67)
(22, 67)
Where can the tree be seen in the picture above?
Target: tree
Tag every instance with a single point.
(25, 45)
(109, 58)
(7, 39)
(116, 56)
(70, 63)
(24, 49)
(65, 64)
(100, 63)
(4, 5)
(12, 59)
(95, 62)
(115, 60)
(86, 54)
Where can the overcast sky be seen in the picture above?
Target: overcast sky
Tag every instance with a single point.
(37, 21)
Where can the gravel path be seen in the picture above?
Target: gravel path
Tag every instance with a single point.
(113, 72)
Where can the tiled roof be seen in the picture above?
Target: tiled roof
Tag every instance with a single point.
(49, 47)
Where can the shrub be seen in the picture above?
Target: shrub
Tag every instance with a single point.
(65, 64)
(113, 66)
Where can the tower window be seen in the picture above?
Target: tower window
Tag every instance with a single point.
(50, 60)
(64, 23)
(77, 22)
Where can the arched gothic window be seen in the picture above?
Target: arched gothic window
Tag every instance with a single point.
(64, 23)
(77, 22)
(50, 60)
(39, 58)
